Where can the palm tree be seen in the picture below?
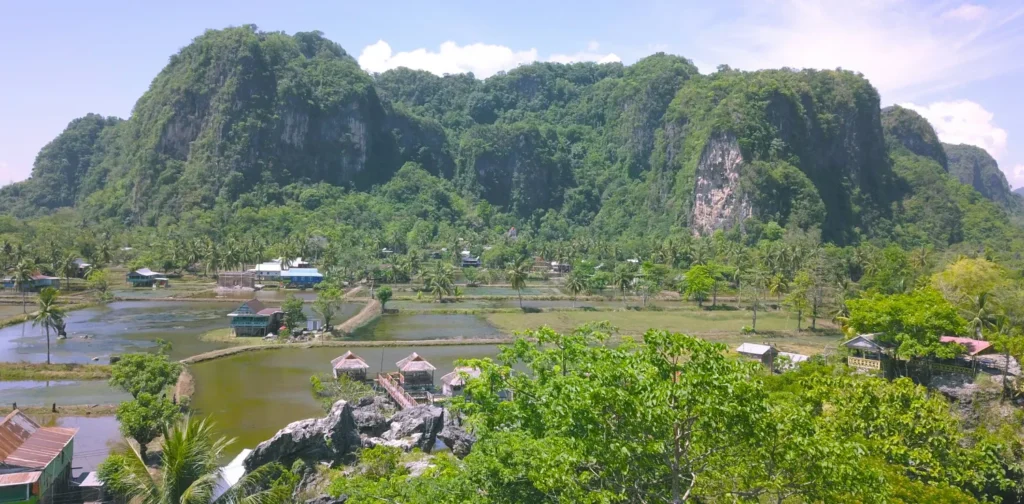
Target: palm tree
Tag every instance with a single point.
(439, 280)
(517, 273)
(575, 285)
(22, 275)
(190, 455)
(623, 279)
(49, 315)
(980, 316)
(67, 267)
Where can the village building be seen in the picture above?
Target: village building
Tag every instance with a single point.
(254, 319)
(236, 280)
(301, 277)
(90, 488)
(469, 261)
(35, 461)
(145, 277)
(270, 270)
(82, 267)
(789, 360)
(37, 283)
(351, 365)
(868, 354)
(453, 383)
(765, 354)
(416, 372)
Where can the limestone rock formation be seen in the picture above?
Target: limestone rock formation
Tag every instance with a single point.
(330, 439)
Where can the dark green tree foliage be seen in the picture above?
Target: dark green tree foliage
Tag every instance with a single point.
(139, 373)
(906, 129)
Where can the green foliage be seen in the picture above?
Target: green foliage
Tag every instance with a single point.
(144, 373)
(329, 390)
(294, 317)
(145, 417)
(912, 322)
(699, 283)
(49, 315)
(327, 303)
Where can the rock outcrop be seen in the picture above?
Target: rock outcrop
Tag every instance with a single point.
(411, 428)
(717, 200)
(330, 439)
(457, 439)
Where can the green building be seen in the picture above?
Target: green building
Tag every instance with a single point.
(254, 319)
(35, 461)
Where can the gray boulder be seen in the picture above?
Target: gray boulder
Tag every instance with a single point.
(370, 421)
(328, 439)
(457, 439)
(424, 419)
(327, 499)
(405, 444)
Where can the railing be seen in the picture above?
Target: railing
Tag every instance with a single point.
(862, 363)
(400, 396)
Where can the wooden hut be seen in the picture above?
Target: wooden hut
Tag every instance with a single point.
(868, 354)
(416, 372)
(453, 383)
(762, 353)
(351, 365)
(145, 277)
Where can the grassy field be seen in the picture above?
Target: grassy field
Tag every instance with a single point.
(15, 371)
(721, 326)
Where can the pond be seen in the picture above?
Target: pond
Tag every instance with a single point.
(97, 437)
(425, 327)
(61, 392)
(252, 395)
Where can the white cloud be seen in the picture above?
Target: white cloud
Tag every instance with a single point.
(1016, 178)
(484, 60)
(905, 49)
(964, 121)
(966, 12)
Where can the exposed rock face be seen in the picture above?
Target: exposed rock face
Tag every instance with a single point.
(327, 499)
(718, 201)
(330, 438)
(460, 441)
(369, 418)
(425, 420)
(974, 166)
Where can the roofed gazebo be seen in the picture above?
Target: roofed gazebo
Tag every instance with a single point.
(867, 353)
(416, 371)
(453, 383)
(351, 365)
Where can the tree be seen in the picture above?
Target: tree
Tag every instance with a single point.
(623, 278)
(518, 272)
(144, 373)
(191, 455)
(439, 280)
(797, 299)
(294, 316)
(144, 417)
(575, 285)
(913, 322)
(49, 314)
(698, 283)
(755, 285)
(327, 303)
(22, 275)
(384, 295)
(99, 280)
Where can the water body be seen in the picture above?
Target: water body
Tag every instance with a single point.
(427, 327)
(42, 393)
(252, 395)
(97, 437)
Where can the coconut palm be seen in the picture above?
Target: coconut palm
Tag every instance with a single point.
(575, 285)
(517, 274)
(981, 315)
(189, 472)
(623, 279)
(49, 315)
(22, 276)
(67, 267)
(439, 280)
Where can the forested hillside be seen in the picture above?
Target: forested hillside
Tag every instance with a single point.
(244, 121)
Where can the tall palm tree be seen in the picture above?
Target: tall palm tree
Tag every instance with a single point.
(575, 285)
(49, 315)
(189, 472)
(623, 279)
(517, 274)
(67, 267)
(22, 275)
(439, 280)
(981, 316)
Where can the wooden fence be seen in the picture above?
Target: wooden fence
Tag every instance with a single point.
(862, 363)
(400, 396)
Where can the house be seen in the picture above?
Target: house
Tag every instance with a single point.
(416, 372)
(236, 280)
(867, 353)
(351, 365)
(82, 266)
(560, 268)
(974, 347)
(270, 270)
(254, 319)
(789, 360)
(469, 261)
(453, 383)
(38, 282)
(301, 277)
(35, 461)
(764, 353)
(90, 488)
(146, 277)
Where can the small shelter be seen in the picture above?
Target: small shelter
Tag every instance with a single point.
(351, 365)
(974, 347)
(145, 277)
(38, 282)
(765, 354)
(301, 277)
(82, 267)
(236, 280)
(416, 372)
(867, 353)
(789, 360)
(469, 261)
(453, 383)
(35, 460)
(90, 488)
(254, 319)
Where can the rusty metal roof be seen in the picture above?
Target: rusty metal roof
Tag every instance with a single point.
(21, 478)
(23, 443)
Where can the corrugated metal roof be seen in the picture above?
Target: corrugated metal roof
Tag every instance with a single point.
(754, 349)
(21, 478)
(349, 360)
(23, 443)
(301, 272)
(974, 347)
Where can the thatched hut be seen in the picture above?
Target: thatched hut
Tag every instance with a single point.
(351, 365)
(453, 383)
(416, 371)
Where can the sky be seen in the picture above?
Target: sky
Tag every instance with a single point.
(957, 63)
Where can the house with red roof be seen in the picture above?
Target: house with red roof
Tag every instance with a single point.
(35, 461)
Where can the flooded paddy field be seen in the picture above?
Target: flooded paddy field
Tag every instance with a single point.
(59, 392)
(426, 327)
(252, 395)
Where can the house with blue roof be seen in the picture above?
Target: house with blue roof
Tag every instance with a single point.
(301, 277)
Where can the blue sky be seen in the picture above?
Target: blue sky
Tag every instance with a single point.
(958, 63)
